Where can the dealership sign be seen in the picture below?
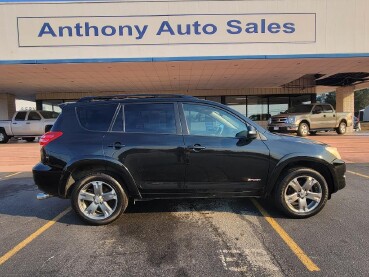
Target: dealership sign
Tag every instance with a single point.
(166, 29)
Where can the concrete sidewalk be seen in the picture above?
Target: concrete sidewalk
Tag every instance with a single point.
(353, 147)
(22, 156)
(19, 156)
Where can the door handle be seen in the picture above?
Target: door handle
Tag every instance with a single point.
(196, 148)
(28, 122)
(116, 145)
(15, 123)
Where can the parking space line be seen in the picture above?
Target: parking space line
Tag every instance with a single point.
(358, 174)
(307, 262)
(31, 237)
(10, 175)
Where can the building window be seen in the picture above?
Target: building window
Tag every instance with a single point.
(51, 105)
(278, 104)
(257, 108)
(300, 99)
(237, 103)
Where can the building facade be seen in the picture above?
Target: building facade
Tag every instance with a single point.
(259, 56)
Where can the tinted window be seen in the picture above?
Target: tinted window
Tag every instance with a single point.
(150, 118)
(49, 115)
(96, 117)
(20, 116)
(209, 121)
(318, 108)
(327, 109)
(34, 116)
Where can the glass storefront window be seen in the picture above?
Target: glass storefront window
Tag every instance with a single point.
(278, 104)
(257, 108)
(300, 99)
(214, 98)
(51, 105)
(237, 103)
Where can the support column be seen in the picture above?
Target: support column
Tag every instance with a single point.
(345, 101)
(7, 106)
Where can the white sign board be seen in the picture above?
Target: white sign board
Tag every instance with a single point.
(166, 29)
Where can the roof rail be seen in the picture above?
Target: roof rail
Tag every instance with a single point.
(131, 96)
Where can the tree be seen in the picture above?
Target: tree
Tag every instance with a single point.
(329, 98)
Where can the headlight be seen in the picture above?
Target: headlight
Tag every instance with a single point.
(270, 121)
(291, 120)
(333, 151)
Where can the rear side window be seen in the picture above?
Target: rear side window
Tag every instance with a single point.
(21, 116)
(96, 117)
(34, 116)
(150, 118)
(49, 114)
(327, 109)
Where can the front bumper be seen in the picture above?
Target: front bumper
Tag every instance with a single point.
(282, 128)
(339, 168)
(46, 178)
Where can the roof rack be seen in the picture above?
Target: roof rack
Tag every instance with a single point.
(131, 96)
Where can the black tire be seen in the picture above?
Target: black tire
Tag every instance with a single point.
(120, 204)
(342, 127)
(313, 133)
(303, 129)
(29, 139)
(283, 186)
(4, 138)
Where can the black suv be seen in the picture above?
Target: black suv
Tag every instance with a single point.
(103, 151)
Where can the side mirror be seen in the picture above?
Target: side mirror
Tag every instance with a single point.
(250, 133)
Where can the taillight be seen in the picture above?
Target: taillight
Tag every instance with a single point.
(49, 137)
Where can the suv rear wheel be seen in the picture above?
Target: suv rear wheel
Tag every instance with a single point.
(301, 193)
(99, 198)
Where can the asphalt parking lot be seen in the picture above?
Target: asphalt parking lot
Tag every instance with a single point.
(230, 237)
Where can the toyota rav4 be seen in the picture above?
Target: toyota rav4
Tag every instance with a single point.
(103, 151)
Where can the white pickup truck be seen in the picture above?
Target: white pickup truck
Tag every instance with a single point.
(27, 125)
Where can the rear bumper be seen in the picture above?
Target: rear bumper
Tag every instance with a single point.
(339, 170)
(47, 178)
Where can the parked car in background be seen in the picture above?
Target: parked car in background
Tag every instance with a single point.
(259, 117)
(27, 125)
(103, 151)
(310, 118)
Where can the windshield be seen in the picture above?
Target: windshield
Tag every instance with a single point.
(49, 115)
(300, 109)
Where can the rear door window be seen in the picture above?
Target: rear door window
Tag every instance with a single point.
(96, 117)
(21, 116)
(34, 116)
(156, 118)
(327, 109)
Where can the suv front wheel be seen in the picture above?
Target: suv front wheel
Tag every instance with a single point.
(301, 193)
(99, 198)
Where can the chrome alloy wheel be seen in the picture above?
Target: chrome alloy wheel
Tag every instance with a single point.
(304, 129)
(2, 137)
(97, 200)
(342, 127)
(303, 194)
